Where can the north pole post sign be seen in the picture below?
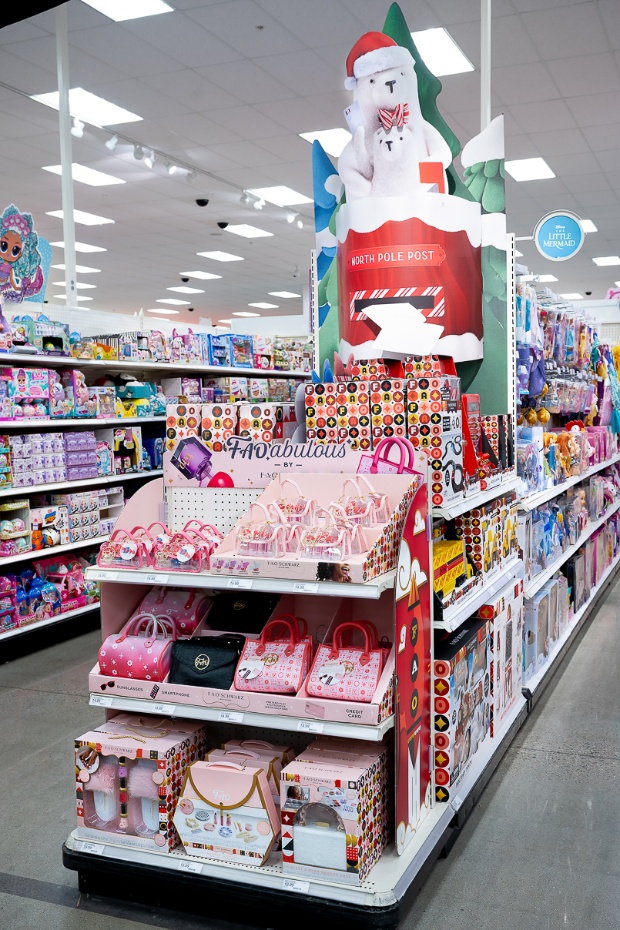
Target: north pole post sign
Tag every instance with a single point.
(559, 235)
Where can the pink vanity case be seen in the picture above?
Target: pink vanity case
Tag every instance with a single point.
(321, 615)
(129, 773)
(271, 762)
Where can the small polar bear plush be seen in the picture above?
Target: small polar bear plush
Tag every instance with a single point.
(396, 163)
(382, 75)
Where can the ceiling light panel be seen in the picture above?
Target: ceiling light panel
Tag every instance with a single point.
(182, 289)
(200, 275)
(285, 294)
(604, 260)
(332, 140)
(173, 301)
(588, 226)
(79, 216)
(440, 52)
(572, 296)
(86, 175)
(64, 297)
(248, 232)
(281, 196)
(79, 284)
(81, 247)
(161, 310)
(121, 10)
(529, 169)
(263, 306)
(80, 269)
(245, 313)
(546, 278)
(90, 108)
(221, 256)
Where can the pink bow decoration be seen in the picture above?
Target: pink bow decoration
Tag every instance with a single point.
(398, 117)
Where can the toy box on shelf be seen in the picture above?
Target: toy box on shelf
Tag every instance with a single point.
(14, 528)
(505, 616)
(80, 454)
(103, 400)
(262, 422)
(6, 476)
(41, 336)
(49, 526)
(127, 450)
(76, 391)
(24, 393)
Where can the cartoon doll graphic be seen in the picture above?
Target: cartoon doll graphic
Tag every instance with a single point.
(20, 260)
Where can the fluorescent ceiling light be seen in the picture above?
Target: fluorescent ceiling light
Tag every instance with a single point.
(228, 322)
(79, 216)
(263, 306)
(440, 52)
(80, 269)
(572, 296)
(284, 294)
(526, 277)
(86, 175)
(64, 297)
(121, 10)
(185, 290)
(529, 169)
(607, 260)
(244, 313)
(546, 278)
(248, 232)
(201, 275)
(174, 301)
(79, 284)
(89, 107)
(161, 310)
(221, 256)
(588, 226)
(332, 140)
(81, 247)
(518, 254)
(282, 196)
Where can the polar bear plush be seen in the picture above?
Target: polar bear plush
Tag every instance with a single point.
(396, 163)
(382, 76)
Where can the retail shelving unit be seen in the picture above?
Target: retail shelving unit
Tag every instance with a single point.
(457, 614)
(34, 424)
(532, 501)
(51, 621)
(85, 483)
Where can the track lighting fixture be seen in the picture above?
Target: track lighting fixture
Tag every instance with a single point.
(138, 152)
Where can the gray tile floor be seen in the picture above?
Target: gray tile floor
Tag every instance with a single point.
(540, 852)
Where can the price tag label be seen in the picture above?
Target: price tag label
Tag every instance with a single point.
(95, 849)
(102, 575)
(291, 884)
(310, 726)
(240, 583)
(101, 700)
(303, 587)
(186, 866)
(231, 716)
(156, 579)
(166, 709)
(457, 802)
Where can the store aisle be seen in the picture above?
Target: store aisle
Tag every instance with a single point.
(541, 851)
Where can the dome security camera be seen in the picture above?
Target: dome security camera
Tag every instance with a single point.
(184, 280)
(588, 293)
(202, 202)
(190, 309)
(222, 224)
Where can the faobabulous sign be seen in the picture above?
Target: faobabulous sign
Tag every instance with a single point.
(559, 235)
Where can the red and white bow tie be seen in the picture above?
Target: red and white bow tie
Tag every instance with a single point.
(398, 117)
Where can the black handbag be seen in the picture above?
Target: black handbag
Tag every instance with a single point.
(206, 661)
(242, 611)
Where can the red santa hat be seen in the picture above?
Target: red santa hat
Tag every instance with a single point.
(372, 53)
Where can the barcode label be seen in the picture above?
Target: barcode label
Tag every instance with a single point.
(95, 849)
(310, 726)
(166, 709)
(457, 803)
(102, 575)
(156, 579)
(290, 884)
(231, 716)
(186, 866)
(101, 700)
(244, 583)
(303, 587)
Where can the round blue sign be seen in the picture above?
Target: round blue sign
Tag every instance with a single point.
(559, 235)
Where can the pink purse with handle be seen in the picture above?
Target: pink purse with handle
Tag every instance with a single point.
(345, 672)
(381, 464)
(141, 650)
(275, 666)
(185, 606)
(126, 550)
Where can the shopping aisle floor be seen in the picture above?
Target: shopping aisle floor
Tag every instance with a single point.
(540, 852)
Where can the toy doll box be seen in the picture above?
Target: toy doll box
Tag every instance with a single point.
(505, 614)
(226, 812)
(379, 543)
(319, 613)
(128, 778)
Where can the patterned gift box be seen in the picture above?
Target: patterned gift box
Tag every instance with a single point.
(439, 434)
(480, 528)
(321, 412)
(353, 414)
(422, 365)
(182, 420)
(426, 396)
(388, 416)
(260, 422)
(365, 368)
(219, 422)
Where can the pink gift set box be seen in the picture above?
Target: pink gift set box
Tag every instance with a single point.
(321, 615)
(129, 773)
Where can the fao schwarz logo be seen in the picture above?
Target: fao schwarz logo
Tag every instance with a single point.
(202, 662)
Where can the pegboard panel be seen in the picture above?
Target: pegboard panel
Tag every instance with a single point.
(609, 333)
(222, 508)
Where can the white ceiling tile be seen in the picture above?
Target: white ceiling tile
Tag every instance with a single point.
(511, 43)
(603, 138)
(246, 153)
(587, 182)
(20, 32)
(527, 6)
(191, 88)
(372, 16)
(561, 142)
(585, 74)
(80, 16)
(201, 130)
(610, 15)
(594, 200)
(249, 83)
(581, 31)
(183, 39)
(449, 12)
(248, 122)
(237, 23)
(595, 109)
(312, 22)
(524, 83)
(299, 114)
(28, 76)
(542, 116)
(581, 163)
(123, 51)
(300, 70)
(290, 148)
(609, 161)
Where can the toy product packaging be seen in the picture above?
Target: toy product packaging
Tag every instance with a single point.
(103, 400)
(218, 348)
(76, 390)
(461, 704)
(242, 351)
(105, 456)
(263, 352)
(128, 779)
(226, 812)
(154, 447)
(480, 528)
(80, 454)
(551, 588)
(49, 527)
(6, 477)
(536, 643)
(218, 423)
(505, 616)
(127, 450)
(43, 335)
(14, 528)
(335, 813)
(24, 393)
(387, 408)
(260, 422)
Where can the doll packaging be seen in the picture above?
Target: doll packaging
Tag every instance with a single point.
(505, 616)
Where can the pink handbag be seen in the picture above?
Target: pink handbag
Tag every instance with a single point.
(126, 550)
(185, 606)
(276, 666)
(328, 541)
(207, 531)
(141, 650)
(182, 553)
(262, 537)
(346, 673)
(299, 510)
(381, 464)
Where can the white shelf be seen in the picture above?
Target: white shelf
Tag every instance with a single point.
(51, 551)
(532, 501)
(454, 616)
(33, 424)
(538, 581)
(533, 683)
(462, 504)
(246, 719)
(371, 590)
(76, 482)
(52, 621)
(55, 361)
